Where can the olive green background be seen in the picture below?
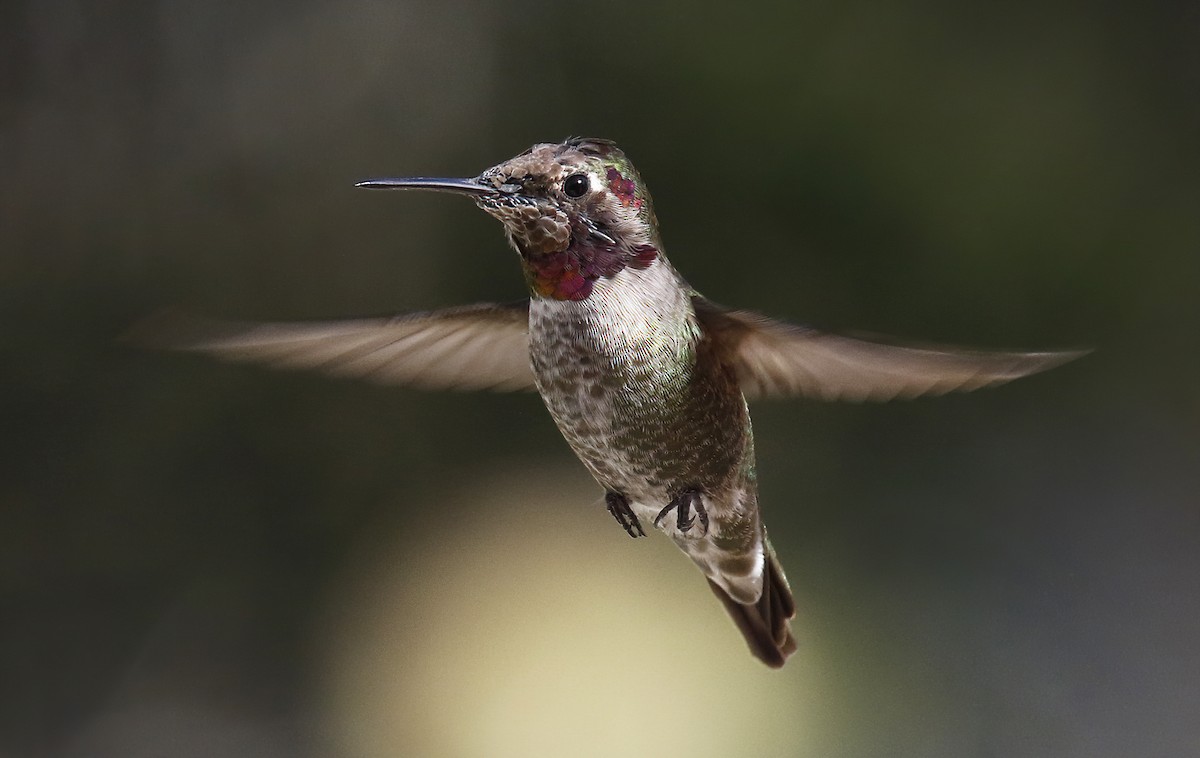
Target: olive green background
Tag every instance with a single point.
(199, 559)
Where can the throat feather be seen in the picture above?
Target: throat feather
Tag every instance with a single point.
(570, 274)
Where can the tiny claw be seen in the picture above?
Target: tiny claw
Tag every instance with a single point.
(618, 506)
(683, 504)
(702, 512)
(662, 514)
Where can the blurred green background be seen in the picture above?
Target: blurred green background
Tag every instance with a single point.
(199, 559)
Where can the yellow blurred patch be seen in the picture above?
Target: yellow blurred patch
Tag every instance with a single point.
(534, 626)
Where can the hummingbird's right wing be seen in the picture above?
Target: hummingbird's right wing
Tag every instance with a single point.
(774, 359)
(468, 348)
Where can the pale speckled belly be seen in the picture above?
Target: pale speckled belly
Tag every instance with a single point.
(642, 416)
(651, 413)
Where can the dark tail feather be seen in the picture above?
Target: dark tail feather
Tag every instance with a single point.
(765, 624)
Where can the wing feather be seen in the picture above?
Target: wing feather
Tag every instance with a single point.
(474, 347)
(773, 359)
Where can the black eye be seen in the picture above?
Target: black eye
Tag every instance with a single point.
(576, 185)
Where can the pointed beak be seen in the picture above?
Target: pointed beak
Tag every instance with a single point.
(458, 186)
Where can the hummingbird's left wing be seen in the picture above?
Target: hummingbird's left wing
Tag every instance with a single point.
(472, 347)
(773, 358)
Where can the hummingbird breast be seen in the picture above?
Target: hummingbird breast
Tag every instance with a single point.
(637, 391)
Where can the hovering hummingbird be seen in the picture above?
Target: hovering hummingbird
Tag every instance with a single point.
(646, 379)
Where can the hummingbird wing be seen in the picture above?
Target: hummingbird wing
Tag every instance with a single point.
(473, 347)
(773, 359)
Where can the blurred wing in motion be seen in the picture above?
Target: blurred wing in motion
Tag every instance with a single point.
(469, 348)
(776, 359)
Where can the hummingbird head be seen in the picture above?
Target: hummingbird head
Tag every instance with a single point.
(575, 211)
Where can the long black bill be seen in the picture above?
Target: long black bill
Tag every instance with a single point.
(459, 186)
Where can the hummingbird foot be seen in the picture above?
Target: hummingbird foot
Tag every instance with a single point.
(618, 506)
(683, 504)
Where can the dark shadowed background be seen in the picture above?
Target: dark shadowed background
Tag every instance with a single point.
(199, 559)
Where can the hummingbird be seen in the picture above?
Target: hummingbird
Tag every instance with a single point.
(647, 380)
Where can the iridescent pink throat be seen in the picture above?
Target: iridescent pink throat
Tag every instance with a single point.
(570, 274)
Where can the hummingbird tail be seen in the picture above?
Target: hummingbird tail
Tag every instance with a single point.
(765, 623)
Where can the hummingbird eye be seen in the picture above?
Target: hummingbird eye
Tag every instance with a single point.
(576, 185)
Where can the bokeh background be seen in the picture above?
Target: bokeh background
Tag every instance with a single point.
(199, 559)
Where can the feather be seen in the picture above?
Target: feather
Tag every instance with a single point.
(474, 347)
(773, 359)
